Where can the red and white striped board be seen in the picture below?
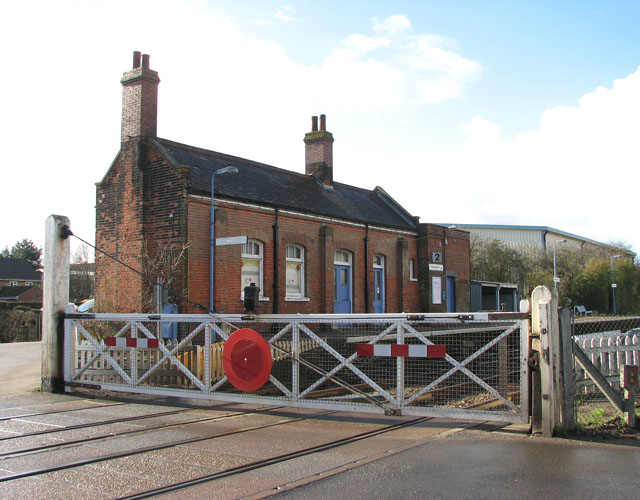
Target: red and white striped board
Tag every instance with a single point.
(131, 342)
(402, 350)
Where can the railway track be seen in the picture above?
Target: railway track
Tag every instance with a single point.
(57, 456)
(259, 464)
(137, 451)
(53, 412)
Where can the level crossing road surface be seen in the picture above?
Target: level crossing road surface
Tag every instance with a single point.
(20, 367)
(94, 444)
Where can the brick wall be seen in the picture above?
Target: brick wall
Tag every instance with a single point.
(142, 212)
(453, 246)
(319, 241)
(139, 211)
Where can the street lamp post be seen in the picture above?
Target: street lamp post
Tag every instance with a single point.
(212, 240)
(555, 269)
(613, 283)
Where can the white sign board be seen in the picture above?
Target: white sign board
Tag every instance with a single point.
(436, 290)
(436, 267)
(231, 240)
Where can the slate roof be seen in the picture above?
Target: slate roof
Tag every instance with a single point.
(267, 185)
(12, 292)
(17, 269)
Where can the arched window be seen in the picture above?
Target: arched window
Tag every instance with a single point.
(295, 271)
(342, 257)
(252, 257)
(378, 261)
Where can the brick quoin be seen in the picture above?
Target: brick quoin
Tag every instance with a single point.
(145, 209)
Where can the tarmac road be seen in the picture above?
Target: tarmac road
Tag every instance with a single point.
(481, 465)
(20, 367)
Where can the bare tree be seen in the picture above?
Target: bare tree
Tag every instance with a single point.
(82, 274)
(162, 261)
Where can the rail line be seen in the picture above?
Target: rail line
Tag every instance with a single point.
(269, 461)
(138, 451)
(2, 419)
(23, 451)
(90, 424)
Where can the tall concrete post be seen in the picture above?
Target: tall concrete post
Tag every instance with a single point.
(55, 299)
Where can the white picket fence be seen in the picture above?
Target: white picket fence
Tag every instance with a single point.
(191, 356)
(608, 351)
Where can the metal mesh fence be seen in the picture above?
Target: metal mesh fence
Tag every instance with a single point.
(318, 360)
(609, 343)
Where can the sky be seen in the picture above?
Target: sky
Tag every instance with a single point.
(493, 112)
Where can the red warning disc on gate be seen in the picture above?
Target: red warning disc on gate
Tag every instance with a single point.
(246, 359)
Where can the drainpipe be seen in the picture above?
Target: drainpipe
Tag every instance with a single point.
(366, 269)
(275, 264)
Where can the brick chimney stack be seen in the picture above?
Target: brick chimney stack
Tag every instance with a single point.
(139, 99)
(319, 151)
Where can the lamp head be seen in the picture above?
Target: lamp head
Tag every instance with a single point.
(226, 170)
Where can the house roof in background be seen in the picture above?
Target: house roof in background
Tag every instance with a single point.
(264, 184)
(13, 292)
(18, 269)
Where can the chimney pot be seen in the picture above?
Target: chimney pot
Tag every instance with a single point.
(319, 151)
(139, 99)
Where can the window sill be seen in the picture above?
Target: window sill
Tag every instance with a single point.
(261, 299)
(297, 299)
(413, 279)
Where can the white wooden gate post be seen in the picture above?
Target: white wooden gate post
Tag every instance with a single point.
(55, 299)
(545, 333)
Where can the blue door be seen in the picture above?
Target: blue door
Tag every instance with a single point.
(451, 294)
(342, 303)
(378, 290)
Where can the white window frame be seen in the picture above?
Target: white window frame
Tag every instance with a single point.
(299, 261)
(257, 257)
(378, 261)
(345, 253)
(412, 270)
(28, 283)
(13, 283)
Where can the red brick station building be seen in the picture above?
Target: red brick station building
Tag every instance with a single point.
(314, 245)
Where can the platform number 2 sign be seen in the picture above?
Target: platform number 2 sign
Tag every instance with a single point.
(436, 257)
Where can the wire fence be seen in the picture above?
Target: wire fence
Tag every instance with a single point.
(609, 343)
(388, 362)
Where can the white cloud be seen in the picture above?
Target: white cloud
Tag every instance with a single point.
(392, 25)
(285, 14)
(394, 67)
(579, 171)
(361, 44)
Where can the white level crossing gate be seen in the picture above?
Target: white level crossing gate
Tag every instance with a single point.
(455, 365)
